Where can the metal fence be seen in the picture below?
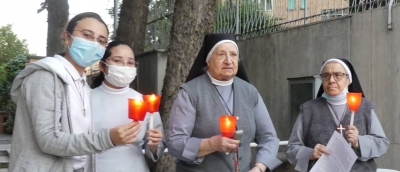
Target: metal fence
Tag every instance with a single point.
(249, 18)
(159, 24)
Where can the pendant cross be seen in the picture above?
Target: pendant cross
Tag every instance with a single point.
(341, 129)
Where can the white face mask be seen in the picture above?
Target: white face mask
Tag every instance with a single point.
(120, 76)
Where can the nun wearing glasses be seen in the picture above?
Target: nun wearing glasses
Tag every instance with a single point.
(320, 117)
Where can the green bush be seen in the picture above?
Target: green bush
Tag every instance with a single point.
(8, 72)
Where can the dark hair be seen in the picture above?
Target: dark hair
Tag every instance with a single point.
(99, 79)
(73, 22)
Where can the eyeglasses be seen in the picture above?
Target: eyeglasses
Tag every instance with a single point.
(89, 35)
(337, 76)
(119, 62)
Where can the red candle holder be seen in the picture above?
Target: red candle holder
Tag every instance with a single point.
(153, 101)
(227, 125)
(354, 100)
(137, 109)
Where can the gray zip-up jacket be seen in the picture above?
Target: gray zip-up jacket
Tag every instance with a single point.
(42, 140)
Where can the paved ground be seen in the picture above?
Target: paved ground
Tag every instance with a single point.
(5, 146)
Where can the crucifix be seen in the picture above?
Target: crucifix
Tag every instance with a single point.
(341, 129)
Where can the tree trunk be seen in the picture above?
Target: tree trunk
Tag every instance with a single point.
(191, 21)
(57, 21)
(132, 23)
(132, 26)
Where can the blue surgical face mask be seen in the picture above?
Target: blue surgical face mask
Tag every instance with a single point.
(85, 53)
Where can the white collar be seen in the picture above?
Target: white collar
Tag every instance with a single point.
(339, 102)
(110, 90)
(218, 82)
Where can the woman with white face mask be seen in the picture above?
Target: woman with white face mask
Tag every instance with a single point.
(110, 108)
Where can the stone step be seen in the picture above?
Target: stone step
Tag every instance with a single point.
(4, 162)
(5, 149)
(3, 153)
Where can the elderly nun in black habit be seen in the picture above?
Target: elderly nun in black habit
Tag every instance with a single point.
(320, 117)
(218, 85)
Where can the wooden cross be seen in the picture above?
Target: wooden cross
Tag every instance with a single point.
(341, 129)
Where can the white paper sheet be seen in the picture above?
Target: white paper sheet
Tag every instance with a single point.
(341, 158)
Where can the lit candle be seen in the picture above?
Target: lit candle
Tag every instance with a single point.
(137, 109)
(227, 125)
(154, 104)
(353, 101)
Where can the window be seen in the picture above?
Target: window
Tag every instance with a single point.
(268, 5)
(301, 90)
(291, 4)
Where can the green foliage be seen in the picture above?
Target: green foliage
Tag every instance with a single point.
(159, 24)
(10, 45)
(252, 17)
(159, 9)
(158, 32)
(13, 53)
(14, 66)
(111, 13)
(8, 71)
(43, 6)
(111, 10)
(3, 73)
(3, 88)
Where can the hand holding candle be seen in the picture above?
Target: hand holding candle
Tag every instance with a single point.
(353, 101)
(352, 136)
(227, 126)
(124, 134)
(154, 104)
(155, 137)
(222, 144)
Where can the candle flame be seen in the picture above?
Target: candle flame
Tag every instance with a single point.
(353, 99)
(227, 122)
(152, 97)
(136, 101)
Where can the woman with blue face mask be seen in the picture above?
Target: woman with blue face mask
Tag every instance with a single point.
(53, 128)
(320, 117)
(110, 108)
